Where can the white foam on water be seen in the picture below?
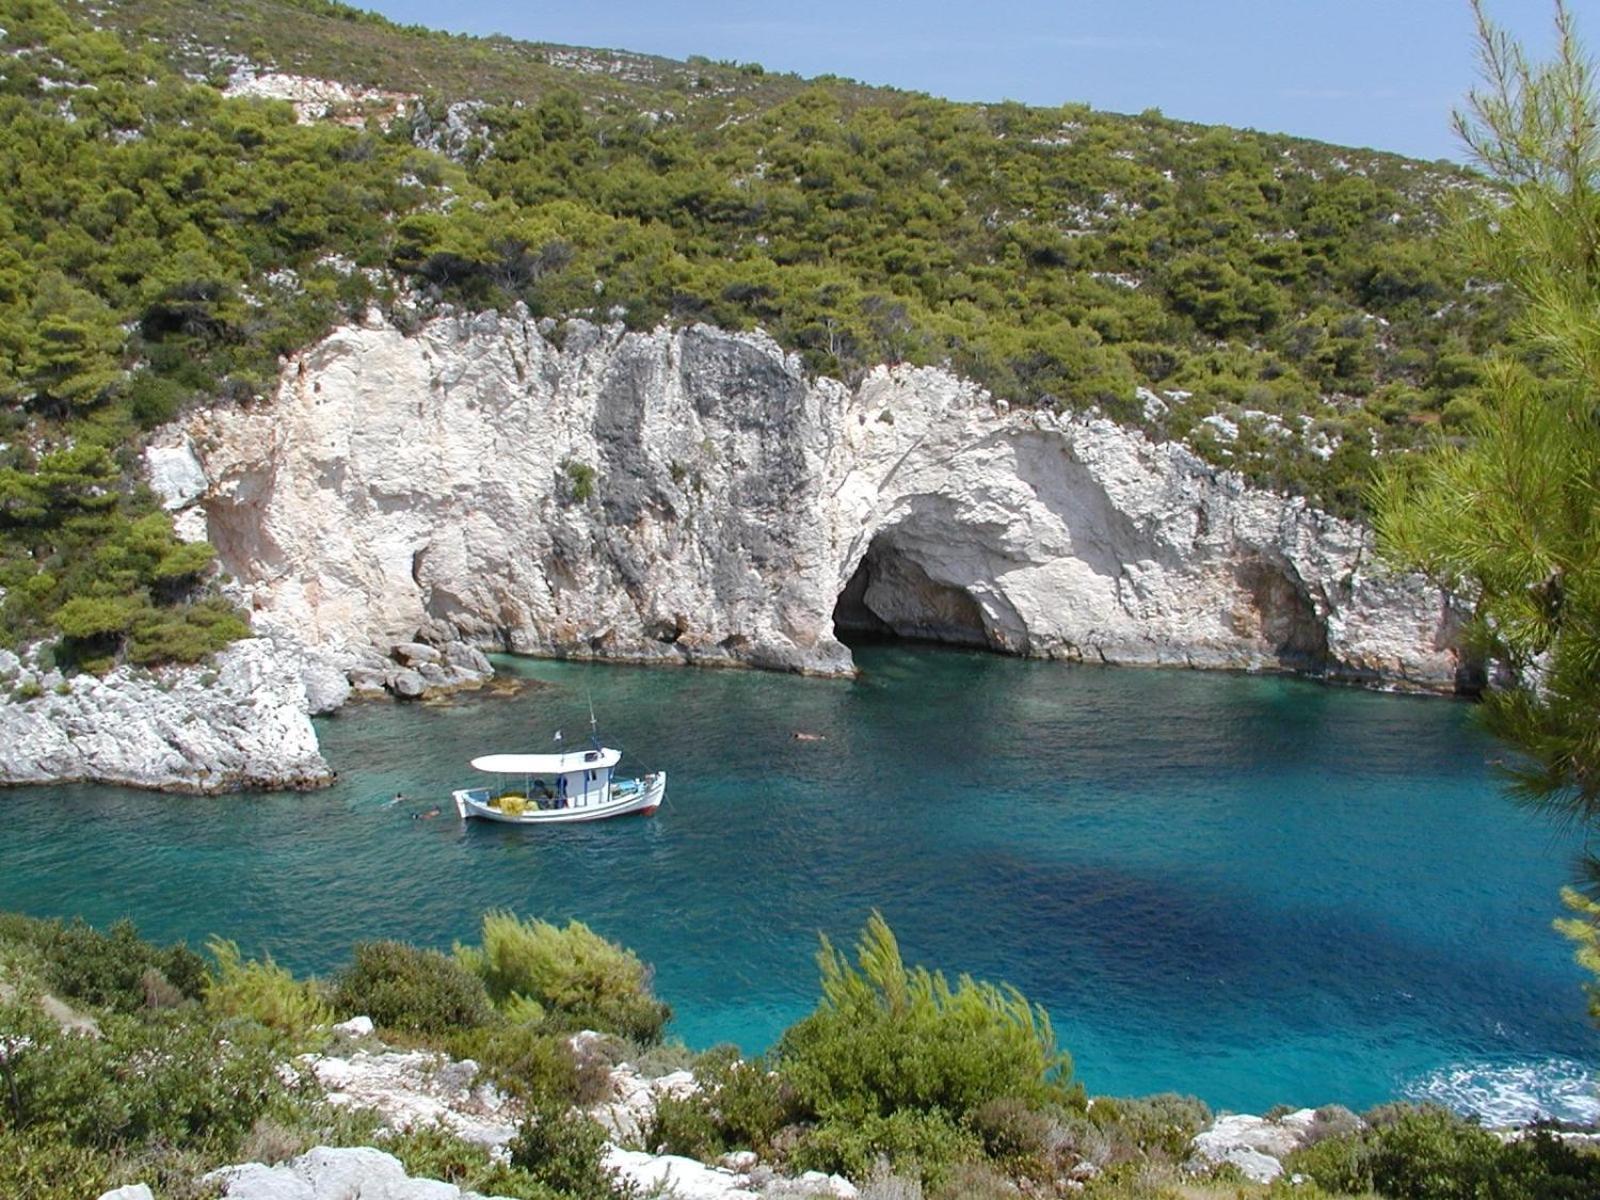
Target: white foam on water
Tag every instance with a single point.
(1560, 1089)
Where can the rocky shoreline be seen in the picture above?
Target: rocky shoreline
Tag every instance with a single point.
(418, 1089)
(406, 501)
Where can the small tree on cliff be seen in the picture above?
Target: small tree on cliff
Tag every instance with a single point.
(1512, 516)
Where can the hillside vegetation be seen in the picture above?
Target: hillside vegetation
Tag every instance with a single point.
(161, 245)
(169, 1064)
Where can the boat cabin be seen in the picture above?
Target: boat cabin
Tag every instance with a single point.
(577, 780)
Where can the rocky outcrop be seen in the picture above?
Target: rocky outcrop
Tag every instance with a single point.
(1257, 1146)
(417, 1089)
(328, 1173)
(242, 721)
(691, 496)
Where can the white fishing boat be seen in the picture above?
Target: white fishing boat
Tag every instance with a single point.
(554, 789)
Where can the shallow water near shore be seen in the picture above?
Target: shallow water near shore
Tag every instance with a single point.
(1254, 889)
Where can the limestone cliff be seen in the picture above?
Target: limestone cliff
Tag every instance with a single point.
(691, 495)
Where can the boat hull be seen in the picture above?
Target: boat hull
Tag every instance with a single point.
(624, 800)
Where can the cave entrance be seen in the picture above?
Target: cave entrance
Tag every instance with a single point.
(1287, 617)
(891, 596)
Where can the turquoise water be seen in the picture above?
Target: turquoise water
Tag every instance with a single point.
(1257, 890)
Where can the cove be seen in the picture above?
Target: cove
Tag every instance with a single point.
(1254, 889)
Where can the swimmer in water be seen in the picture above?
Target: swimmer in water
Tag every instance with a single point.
(425, 816)
(808, 737)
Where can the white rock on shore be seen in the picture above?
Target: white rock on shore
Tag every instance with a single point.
(243, 721)
(692, 496)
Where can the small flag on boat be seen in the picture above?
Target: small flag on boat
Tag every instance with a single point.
(558, 735)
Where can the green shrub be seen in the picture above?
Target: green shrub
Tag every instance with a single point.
(581, 478)
(523, 1060)
(263, 992)
(1429, 1153)
(108, 969)
(684, 1125)
(580, 979)
(1015, 1135)
(662, 1058)
(926, 1144)
(564, 1150)
(46, 1168)
(748, 1103)
(434, 1152)
(740, 1106)
(402, 987)
(1159, 1126)
(887, 1039)
(167, 1079)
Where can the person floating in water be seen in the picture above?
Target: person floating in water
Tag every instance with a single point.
(800, 736)
(425, 816)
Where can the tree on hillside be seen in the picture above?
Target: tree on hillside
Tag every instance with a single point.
(1511, 516)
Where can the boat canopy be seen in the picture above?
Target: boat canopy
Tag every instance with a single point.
(548, 764)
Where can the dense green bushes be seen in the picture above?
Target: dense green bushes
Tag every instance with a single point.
(265, 993)
(568, 977)
(158, 1094)
(116, 970)
(926, 1089)
(887, 1038)
(1431, 1154)
(405, 988)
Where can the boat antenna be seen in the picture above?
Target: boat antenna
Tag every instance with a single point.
(594, 728)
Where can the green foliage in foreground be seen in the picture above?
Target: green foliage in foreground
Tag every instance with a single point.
(1431, 1154)
(265, 993)
(887, 1038)
(894, 1060)
(174, 1087)
(570, 976)
(1512, 519)
(411, 990)
(116, 970)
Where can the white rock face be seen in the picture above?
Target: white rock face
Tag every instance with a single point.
(175, 474)
(354, 1173)
(1257, 1145)
(240, 722)
(419, 1089)
(133, 1191)
(692, 496)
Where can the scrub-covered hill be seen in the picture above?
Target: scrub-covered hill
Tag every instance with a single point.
(167, 232)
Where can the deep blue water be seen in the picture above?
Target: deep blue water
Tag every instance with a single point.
(1254, 889)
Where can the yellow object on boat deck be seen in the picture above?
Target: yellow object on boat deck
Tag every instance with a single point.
(513, 806)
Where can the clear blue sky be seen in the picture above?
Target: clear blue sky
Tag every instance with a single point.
(1381, 73)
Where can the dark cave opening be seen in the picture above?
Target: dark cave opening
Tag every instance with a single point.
(890, 596)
